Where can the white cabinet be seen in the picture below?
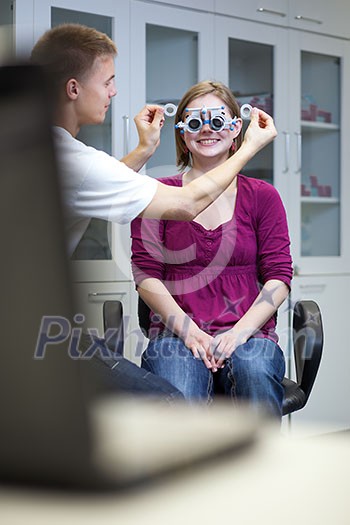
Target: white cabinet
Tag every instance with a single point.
(264, 11)
(90, 298)
(203, 5)
(319, 166)
(313, 15)
(330, 18)
(303, 80)
(328, 405)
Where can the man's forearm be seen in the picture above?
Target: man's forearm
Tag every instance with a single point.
(138, 157)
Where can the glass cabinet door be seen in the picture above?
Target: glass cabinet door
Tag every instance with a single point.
(249, 58)
(95, 257)
(320, 155)
(319, 161)
(251, 78)
(171, 50)
(96, 241)
(6, 31)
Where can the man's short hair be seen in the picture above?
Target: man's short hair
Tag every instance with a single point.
(69, 51)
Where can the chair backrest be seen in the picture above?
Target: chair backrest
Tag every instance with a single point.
(113, 325)
(143, 312)
(307, 342)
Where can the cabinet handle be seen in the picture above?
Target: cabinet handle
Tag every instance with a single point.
(126, 134)
(271, 12)
(102, 294)
(286, 151)
(307, 19)
(298, 135)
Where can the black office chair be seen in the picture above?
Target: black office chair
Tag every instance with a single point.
(307, 344)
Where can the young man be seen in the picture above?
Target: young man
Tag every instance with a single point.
(80, 64)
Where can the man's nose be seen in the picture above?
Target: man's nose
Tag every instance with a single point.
(113, 91)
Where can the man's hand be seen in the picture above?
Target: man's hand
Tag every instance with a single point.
(260, 131)
(149, 123)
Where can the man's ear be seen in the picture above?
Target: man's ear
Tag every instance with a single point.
(72, 88)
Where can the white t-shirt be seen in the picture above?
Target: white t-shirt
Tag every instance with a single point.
(96, 185)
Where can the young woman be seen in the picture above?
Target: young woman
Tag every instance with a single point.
(216, 282)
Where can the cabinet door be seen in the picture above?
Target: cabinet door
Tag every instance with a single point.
(171, 49)
(90, 298)
(319, 163)
(250, 58)
(95, 258)
(6, 31)
(328, 405)
(23, 27)
(265, 11)
(331, 18)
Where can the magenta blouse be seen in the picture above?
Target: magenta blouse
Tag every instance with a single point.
(215, 275)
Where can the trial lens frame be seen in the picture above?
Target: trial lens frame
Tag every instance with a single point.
(217, 122)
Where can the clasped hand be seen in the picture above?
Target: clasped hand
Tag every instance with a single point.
(213, 350)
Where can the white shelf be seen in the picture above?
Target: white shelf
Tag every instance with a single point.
(320, 200)
(321, 126)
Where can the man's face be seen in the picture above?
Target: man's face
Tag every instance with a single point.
(96, 91)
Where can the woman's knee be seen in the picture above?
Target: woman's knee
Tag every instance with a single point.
(259, 357)
(171, 359)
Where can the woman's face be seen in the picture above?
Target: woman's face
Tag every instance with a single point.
(207, 143)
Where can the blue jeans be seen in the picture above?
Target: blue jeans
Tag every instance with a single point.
(107, 372)
(252, 374)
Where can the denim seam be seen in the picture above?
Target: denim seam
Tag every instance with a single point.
(230, 376)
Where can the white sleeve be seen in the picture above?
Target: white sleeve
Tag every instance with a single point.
(112, 191)
(95, 184)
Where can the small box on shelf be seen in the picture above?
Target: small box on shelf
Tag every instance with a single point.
(261, 100)
(315, 189)
(311, 112)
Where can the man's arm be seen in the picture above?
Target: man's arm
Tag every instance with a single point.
(185, 203)
(148, 123)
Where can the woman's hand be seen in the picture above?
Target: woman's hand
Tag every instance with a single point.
(199, 343)
(224, 345)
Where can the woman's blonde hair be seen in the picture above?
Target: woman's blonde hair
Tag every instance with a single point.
(198, 90)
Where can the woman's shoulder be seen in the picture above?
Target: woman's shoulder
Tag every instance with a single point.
(259, 186)
(252, 182)
(172, 180)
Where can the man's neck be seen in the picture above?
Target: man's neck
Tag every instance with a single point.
(65, 119)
